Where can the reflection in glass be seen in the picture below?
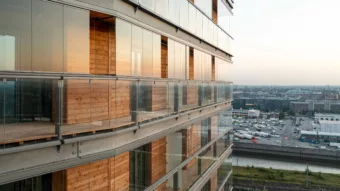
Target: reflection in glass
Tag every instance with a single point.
(162, 8)
(192, 19)
(123, 47)
(47, 36)
(77, 40)
(156, 55)
(137, 50)
(184, 14)
(205, 6)
(15, 35)
(147, 54)
(174, 11)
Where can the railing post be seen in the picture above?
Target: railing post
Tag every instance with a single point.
(215, 92)
(135, 100)
(59, 116)
(176, 96)
(175, 177)
(215, 149)
(200, 95)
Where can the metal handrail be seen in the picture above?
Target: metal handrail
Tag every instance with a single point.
(59, 75)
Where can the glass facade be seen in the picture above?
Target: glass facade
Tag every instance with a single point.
(198, 22)
(205, 6)
(121, 89)
(164, 154)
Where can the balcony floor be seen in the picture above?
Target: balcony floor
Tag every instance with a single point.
(31, 131)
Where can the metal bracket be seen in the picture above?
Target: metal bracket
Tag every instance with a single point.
(136, 8)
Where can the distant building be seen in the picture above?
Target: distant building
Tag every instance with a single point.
(326, 117)
(246, 113)
(312, 105)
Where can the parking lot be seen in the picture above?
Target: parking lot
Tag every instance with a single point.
(282, 132)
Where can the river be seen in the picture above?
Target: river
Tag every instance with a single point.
(282, 165)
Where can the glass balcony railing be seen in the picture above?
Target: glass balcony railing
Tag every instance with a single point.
(40, 109)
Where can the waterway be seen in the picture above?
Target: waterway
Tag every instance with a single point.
(283, 165)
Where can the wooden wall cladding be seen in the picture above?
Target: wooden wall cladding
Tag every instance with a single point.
(214, 11)
(96, 100)
(110, 174)
(158, 161)
(102, 48)
(191, 64)
(191, 142)
(159, 96)
(164, 59)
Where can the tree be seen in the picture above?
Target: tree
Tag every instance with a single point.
(291, 113)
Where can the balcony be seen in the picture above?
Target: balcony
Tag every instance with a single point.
(48, 107)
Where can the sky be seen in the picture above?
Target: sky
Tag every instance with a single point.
(286, 42)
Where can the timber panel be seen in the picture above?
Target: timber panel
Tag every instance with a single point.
(158, 161)
(214, 11)
(110, 174)
(191, 142)
(164, 58)
(159, 96)
(102, 48)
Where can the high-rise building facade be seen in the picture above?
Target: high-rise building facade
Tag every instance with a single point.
(115, 95)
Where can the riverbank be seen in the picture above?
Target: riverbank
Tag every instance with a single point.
(272, 179)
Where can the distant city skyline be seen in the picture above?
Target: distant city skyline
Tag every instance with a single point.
(291, 42)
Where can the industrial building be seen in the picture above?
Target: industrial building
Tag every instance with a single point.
(115, 95)
(313, 105)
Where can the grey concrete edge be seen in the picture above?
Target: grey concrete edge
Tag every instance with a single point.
(29, 147)
(56, 166)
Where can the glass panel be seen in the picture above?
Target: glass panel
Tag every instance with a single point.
(15, 35)
(162, 8)
(122, 103)
(95, 105)
(153, 100)
(170, 183)
(190, 96)
(223, 144)
(224, 170)
(205, 29)
(195, 169)
(137, 50)
(205, 6)
(77, 107)
(28, 110)
(150, 4)
(156, 55)
(215, 35)
(171, 58)
(192, 19)
(199, 24)
(223, 16)
(99, 105)
(197, 64)
(147, 54)
(76, 40)
(174, 11)
(47, 36)
(123, 47)
(184, 13)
